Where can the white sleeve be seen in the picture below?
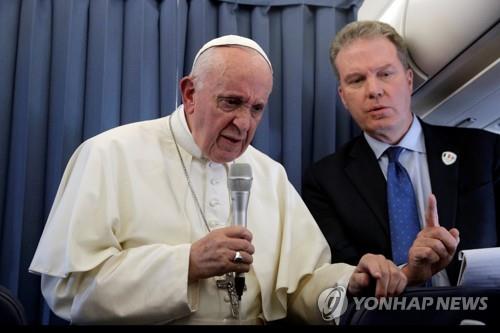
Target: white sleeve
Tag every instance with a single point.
(305, 303)
(305, 271)
(143, 285)
(91, 272)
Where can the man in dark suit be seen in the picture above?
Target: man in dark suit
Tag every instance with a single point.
(458, 168)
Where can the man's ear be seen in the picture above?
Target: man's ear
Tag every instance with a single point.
(341, 94)
(409, 78)
(187, 92)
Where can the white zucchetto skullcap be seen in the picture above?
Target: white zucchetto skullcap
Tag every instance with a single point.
(233, 40)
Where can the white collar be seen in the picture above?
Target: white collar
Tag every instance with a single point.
(183, 135)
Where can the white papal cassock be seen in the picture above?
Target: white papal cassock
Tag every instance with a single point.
(116, 245)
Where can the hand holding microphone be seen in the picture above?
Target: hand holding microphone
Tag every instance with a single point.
(220, 250)
(239, 183)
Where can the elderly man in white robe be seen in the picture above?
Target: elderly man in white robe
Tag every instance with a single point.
(140, 228)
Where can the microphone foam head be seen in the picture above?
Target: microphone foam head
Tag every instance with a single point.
(240, 177)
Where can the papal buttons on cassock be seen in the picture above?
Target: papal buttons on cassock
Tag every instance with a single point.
(214, 223)
(213, 202)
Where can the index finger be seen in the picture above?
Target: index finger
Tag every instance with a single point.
(381, 286)
(239, 232)
(431, 214)
(376, 266)
(370, 264)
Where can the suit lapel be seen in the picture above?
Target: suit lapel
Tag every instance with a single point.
(444, 178)
(364, 172)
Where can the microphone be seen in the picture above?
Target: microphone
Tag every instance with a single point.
(239, 183)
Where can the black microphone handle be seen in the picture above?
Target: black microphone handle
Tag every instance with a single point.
(239, 284)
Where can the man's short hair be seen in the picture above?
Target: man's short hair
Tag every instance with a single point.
(367, 30)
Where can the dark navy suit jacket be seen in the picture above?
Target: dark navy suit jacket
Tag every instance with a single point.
(346, 193)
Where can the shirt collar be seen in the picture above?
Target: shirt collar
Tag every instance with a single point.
(413, 140)
(183, 134)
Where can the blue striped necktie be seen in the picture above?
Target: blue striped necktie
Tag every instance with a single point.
(402, 205)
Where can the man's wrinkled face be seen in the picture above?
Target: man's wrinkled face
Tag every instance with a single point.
(375, 87)
(224, 104)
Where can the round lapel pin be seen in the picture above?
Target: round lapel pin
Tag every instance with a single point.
(448, 157)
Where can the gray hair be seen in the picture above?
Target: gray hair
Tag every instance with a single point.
(367, 30)
(204, 64)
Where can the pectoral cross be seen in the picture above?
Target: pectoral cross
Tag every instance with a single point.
(228, 284)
